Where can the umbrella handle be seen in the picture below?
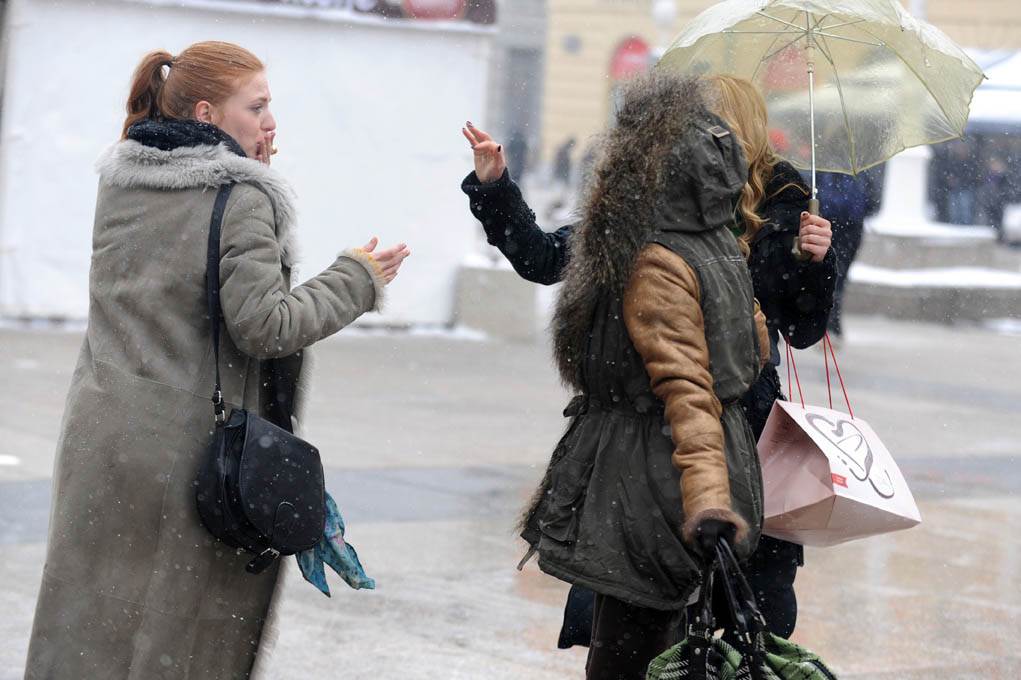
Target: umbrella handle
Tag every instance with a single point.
(799, 254)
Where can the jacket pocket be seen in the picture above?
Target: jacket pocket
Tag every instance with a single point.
(568, 484)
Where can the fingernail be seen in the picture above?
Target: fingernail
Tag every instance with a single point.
(470, 124)
(499, 148)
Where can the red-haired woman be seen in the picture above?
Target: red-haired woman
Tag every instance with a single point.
(134, 586)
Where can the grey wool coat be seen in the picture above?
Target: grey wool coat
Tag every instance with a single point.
(134, 587)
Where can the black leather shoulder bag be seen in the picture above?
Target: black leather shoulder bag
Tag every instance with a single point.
(260, 487)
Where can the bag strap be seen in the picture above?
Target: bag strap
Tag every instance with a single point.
(213, 291)
(735, 579)
(699, 633)
(748, 621)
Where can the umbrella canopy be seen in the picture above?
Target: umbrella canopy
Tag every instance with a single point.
(848, 83)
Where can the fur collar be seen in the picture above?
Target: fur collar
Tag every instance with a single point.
(669, 165)
(132, 164)
(168, 134)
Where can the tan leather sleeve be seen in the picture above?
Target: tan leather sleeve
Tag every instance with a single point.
(664, 319)
(763, 332)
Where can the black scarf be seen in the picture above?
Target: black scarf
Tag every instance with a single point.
(168, 135)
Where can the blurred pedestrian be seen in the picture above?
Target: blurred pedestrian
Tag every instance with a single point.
(937, 189)
(562, 163)
(995, 193)
(961, 177)
(517, 155)
(134, 587)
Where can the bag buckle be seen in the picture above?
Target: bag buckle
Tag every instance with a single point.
(262, 560)
(219, 412)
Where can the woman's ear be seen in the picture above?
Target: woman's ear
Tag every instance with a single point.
(204, 112)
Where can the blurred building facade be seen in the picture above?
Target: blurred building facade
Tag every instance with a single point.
(591, 48)
(368, 108)
(593, 45)
(984, 24)
(516, 81)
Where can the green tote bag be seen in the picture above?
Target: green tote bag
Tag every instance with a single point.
(757, 654)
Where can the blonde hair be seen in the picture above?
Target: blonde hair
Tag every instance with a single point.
(742, 107)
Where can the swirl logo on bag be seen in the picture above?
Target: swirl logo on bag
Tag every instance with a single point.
(855, 452)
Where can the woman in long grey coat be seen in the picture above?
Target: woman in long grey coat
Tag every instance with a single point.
(134, 586)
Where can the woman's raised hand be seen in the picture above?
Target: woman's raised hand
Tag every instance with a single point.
(389, 260)
(816, 235)
(489, 160)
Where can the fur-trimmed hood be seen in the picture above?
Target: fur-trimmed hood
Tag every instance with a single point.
(669, 165)
(175, 155)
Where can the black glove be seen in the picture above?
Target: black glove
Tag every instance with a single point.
(708, 532)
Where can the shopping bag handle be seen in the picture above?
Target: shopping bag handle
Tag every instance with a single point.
(828, 351)
(790, 363)
(828, 344)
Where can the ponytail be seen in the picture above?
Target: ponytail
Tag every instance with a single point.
(143, 101)
(206, 71)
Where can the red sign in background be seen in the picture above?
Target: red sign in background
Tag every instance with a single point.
(434, 9)
(629, 59)
(786, 71)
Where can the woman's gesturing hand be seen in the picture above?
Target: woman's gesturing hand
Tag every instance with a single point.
(264, 147)
(489, 160)
(389, 260)
(816, 235)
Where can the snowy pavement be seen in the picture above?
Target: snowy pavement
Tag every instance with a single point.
(433, 442)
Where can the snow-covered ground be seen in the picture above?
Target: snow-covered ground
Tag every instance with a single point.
(432, 447)
(932, 231)
(948, 277)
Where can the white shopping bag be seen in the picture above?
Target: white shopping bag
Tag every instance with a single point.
(829, 478)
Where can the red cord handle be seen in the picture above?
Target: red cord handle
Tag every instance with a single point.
(826, 362)
(828, 352)
(847, 400)
(791, 363)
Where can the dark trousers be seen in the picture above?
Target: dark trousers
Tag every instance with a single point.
(626, 638)
(847, 237)
(770, 572)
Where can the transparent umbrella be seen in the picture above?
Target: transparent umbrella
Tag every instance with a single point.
(848, 83)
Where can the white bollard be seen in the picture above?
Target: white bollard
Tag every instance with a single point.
(905, 201)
